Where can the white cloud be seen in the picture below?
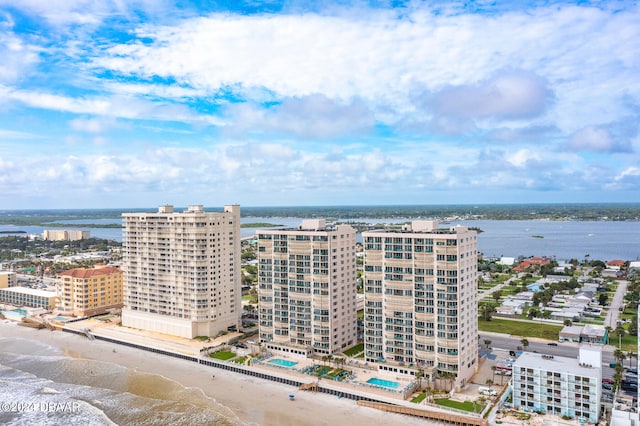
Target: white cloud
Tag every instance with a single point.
(109, 106)
(313, 116)
(82, 12)
(508, 95)
(16, 135)
(18, 57)
(93, 125)
(599, 139)
(385, 61)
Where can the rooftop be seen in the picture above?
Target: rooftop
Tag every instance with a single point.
(30, 291)
(556, 364)
(88, 273)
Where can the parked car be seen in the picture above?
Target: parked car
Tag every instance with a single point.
(607, 386)
(608, 381)
(552, 344)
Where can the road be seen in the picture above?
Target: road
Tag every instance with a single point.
(618, 298)
(492, 290)
(564, 349)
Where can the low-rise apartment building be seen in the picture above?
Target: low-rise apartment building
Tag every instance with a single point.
(28, 297)
(84, 292)
(559, 385)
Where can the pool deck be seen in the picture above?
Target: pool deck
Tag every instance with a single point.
(361, 370)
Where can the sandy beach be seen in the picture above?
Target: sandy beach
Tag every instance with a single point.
(250, 400)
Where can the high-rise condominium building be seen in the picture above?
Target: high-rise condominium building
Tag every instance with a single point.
(65, 235)
(182, 271)
(83, 292)
(421, 307)
(307, 288)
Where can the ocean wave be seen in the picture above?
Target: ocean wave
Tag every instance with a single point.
(88, 393)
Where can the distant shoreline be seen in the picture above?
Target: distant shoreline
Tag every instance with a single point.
(613, 212)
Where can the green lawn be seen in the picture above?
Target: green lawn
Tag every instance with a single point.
(466, 406)
(629, 343)
(628, 314)
(418, 399)
(519, 328)
(222, 355)
(354, 350)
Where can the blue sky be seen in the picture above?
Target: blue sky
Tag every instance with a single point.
(117, 103)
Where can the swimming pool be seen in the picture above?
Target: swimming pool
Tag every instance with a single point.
(61, 319)
(534, 287)
(15, 314)
(282, 362)
(383, 383)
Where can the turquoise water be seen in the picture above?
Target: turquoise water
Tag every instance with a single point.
(534, 287)
(383, 383)
(15, 314)
(61, 319)
(282, 362)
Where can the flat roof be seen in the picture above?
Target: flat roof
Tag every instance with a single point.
(30, 291)
(553, 363)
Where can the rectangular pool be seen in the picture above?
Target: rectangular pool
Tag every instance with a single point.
(16, 314)
(282, 362)
(383, 383)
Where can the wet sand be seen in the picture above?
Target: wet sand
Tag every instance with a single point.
(251, 400)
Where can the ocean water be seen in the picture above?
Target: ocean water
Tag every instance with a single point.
(40, 385)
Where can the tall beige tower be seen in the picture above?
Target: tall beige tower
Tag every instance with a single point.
(421, 308)
(182, 271)
(307, 288)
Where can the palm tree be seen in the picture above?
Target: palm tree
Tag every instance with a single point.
(482, 401)
(568, 322)
(419, 376)
(620, 332)
(451, 377)
(487, 342)
(619, 355)
(493, 370)
(524, 342)
(486, 309)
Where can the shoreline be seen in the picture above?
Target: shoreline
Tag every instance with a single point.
(247, 399)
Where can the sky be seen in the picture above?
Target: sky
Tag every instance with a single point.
(116, 103)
